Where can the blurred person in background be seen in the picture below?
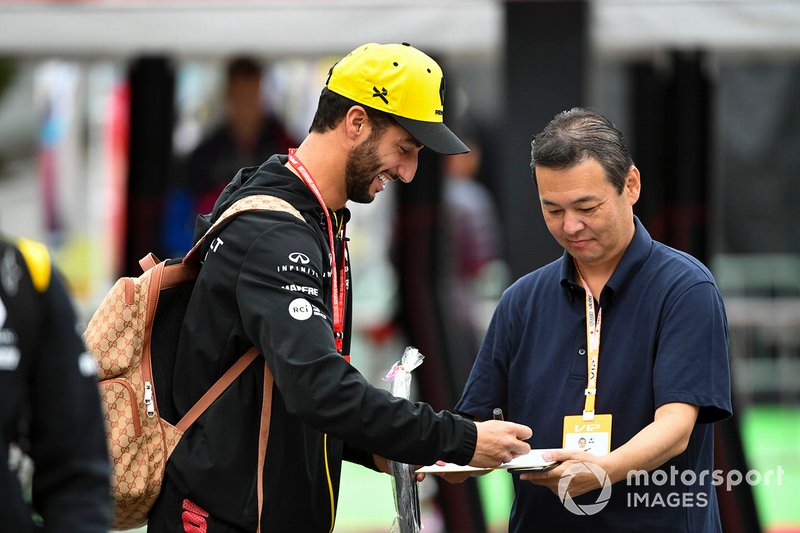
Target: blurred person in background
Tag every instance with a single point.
(49, 406)
(663, 378)
(247, 136)
(475, 240)
(281, 281)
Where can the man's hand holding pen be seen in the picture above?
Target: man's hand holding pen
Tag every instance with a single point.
(499, 441)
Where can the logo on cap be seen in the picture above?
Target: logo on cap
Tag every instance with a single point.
(381, 94)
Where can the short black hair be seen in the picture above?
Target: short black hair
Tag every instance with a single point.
(577, 134)
(333, 107)
(246, 67)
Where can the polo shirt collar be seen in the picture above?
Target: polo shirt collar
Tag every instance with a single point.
(632, 260)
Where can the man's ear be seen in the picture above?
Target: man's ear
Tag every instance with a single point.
(356, 123)
(633, 185)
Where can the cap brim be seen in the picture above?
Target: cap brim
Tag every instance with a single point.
(433, 135)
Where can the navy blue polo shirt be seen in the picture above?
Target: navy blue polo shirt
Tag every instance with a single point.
(663, 339)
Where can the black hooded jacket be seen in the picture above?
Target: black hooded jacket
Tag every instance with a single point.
(255, 272)
(49, 405)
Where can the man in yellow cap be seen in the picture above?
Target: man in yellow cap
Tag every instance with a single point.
(267, 454)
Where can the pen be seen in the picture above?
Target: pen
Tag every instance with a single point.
(497, 413)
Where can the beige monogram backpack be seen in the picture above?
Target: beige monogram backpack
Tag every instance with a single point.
(134, 336)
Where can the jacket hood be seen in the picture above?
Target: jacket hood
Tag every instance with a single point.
(271, 178)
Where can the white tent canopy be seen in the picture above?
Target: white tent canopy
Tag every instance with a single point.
(125, 27)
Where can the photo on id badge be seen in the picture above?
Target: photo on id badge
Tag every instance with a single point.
(593, 436)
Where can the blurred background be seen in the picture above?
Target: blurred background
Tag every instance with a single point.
(121, 119)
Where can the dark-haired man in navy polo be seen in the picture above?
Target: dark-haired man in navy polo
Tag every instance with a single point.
(621, 342)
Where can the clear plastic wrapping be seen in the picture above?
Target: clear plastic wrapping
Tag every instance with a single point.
(406, 497)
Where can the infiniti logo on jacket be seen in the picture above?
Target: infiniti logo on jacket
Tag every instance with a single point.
(299, 257)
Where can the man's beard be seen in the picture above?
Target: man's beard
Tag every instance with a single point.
(361, 169)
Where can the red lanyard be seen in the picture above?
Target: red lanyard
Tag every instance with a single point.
(338, 279)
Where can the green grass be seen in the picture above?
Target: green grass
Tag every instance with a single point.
(497, 494)
(771, 437)
(366, 503)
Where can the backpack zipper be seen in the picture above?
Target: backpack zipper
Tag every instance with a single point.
(148, 399)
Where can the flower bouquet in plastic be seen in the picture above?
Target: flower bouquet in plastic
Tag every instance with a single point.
(406, 498)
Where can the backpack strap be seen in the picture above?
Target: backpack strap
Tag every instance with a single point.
(149, 261)
(266, 413)
(256, 202)
(217, 389)
(263, 437)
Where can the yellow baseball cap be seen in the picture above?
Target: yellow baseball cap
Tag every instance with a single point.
(402, 81)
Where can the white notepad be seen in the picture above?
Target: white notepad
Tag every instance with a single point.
(532, 460)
